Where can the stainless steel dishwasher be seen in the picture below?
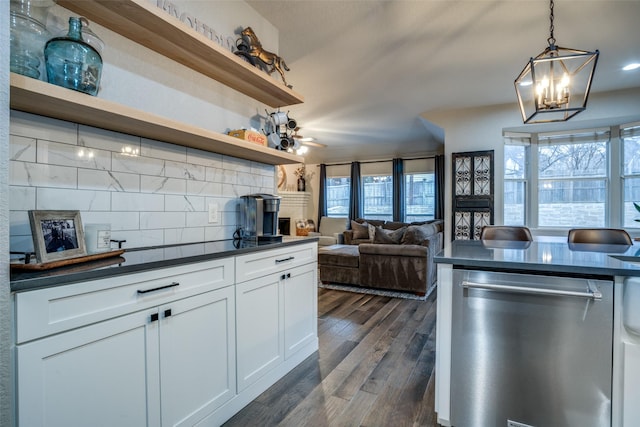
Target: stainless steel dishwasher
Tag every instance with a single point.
(530, 350)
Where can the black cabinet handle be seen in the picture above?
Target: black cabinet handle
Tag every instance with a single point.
(288, 275)
(284, 276)
(278, 261)
(167, 312)
(154, 317)
(171, 285)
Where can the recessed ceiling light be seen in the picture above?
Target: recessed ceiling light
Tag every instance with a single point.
(630, 67)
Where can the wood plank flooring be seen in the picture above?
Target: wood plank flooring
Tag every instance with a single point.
(375, 367)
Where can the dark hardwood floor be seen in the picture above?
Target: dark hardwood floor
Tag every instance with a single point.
(375, 367)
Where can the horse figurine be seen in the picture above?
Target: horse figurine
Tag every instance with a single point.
(269, 59)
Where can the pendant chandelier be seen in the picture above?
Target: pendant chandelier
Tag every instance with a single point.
(554, 86)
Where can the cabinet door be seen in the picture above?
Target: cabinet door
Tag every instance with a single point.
(300, 308)
(197, 356)
(99, 375)
(259, 328)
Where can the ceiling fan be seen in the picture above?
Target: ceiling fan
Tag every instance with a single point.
(308, 141)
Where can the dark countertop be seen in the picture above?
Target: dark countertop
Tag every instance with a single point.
(143, 259)
(544, 255)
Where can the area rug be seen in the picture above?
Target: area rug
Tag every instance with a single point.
(361, 290)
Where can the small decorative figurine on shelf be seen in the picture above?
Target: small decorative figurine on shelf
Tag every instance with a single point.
(250, 48)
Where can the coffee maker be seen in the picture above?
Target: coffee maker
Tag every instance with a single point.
(259, 217)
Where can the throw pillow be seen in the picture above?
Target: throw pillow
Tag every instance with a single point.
(360, 231)
(372, 232)
(416, 234)
(388, 237)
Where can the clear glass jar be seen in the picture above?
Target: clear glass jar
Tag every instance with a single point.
(72, 62)
(28, 36)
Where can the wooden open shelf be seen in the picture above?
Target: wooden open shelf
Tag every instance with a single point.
(37, 97)
(144, 23)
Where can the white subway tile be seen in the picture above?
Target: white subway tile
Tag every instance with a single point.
(233, 163)
(162, 150)
(22, 198)
(184, 170)
(183, 203)
(137, 164)
(41, 175)
(153, 220)
(183, 235)
(214, 175)
(197, 219)
(204, 158)
(263, 169)
(106, 139)
(162, 185)
(118, 220)
(55, 153)
(82, 200)
(89, 179)
(40, 127)
(136, 202)
(22, 149)
(236, 190)
(202, 188)
(249, 179)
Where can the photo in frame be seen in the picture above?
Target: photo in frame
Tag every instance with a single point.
(57, 235)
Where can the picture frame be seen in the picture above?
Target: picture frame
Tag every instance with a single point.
(57, 235)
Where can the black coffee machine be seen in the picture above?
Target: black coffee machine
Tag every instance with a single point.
(259, 218)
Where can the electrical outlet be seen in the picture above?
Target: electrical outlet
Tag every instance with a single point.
(213, 213)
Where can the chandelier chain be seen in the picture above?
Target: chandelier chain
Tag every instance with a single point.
(551, 39)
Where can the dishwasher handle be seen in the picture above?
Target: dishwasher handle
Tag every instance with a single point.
(593, 292)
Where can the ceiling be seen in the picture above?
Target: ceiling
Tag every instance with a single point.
(368, 69)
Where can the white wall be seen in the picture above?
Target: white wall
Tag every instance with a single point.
(478, 129)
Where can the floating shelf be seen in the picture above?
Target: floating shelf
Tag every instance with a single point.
(35, 96)
(144, 23)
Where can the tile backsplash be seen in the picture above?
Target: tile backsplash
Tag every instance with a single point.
(151, 192)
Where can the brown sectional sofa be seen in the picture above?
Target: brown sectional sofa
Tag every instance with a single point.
(389, 255)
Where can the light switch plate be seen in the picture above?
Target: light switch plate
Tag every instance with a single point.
(213, 213)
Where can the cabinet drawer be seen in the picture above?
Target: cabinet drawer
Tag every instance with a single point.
(259, 264)
(48, 311)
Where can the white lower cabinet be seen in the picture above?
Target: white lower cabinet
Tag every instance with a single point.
(168, 365)
(179, 346)
(300, 300)
(259, 334)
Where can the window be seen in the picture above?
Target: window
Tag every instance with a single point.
(377, 190)
(419, 190)
(337, 191)
(631, 174)
(515, 182)
(564, 180)
(572, 180)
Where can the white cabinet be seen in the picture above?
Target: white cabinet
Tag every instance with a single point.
(260, 333)
(300, 308)
(167, 364)
(97, 375)
(276, 309)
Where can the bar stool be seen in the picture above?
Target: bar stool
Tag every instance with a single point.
(602, 236)
(504, 232)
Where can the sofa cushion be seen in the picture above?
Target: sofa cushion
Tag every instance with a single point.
(394, 225)
(416, 234)
(339, 255)
(360, 231)
(388, 237)
(393, 250)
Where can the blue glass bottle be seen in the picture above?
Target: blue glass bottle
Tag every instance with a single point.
(72, 62)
